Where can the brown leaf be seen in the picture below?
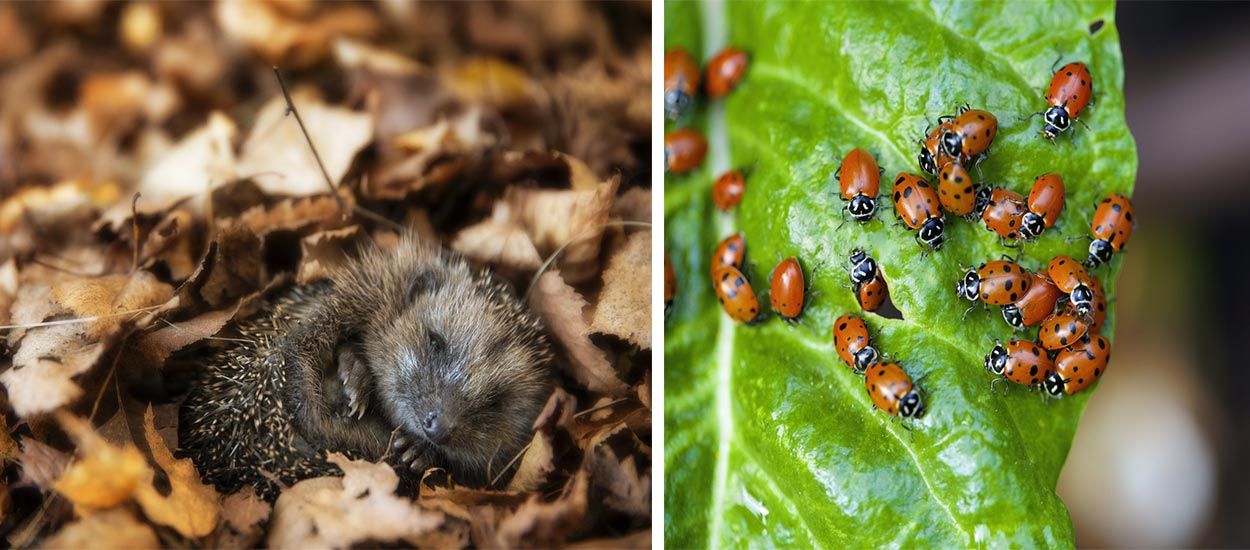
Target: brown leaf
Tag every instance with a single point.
(44, 367)
(574, 220)
(354, 54)
(296, 214)
(191, 507)
(292, 37)
(245, 515)
(493, 82)
(503, 245)
(158, 345)
(203, 158)
(640, 540)
(626, 491)
(8, 448)
(545, 524)
(8, 288)
(111, 299)
(560, 308)
(624, 308)
(41, 465)
(326, 250)
(277, 155)
(536, 465)
(104, 475)
(108, 529)
(633, 205)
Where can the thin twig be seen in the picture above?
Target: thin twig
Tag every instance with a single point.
(291, 110)
(601, 407)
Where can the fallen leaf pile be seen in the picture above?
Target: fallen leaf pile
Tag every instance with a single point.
(154, 184)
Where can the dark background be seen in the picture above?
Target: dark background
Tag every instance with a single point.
(1161, 457)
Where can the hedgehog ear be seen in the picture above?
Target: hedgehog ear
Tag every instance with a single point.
(422, 283)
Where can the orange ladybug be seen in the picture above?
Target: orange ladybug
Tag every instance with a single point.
(1070, 91)
(860, 178)
(1045, 204)
(1112, 226)
(681, 82)
(724, 71)
(970, 134)
(955, 189)
(787, 293)
(932, 158)
(1020, 361)
(892, 391)
(1004, 213)
(683, 150)
(1099, 307)
(999, 283)
(1078, 367)
(916, 204)
(1070, 276)
(872, 293)
(735, 294)
(731, 251)
(728, 190)
(1036, 304)
(1061, 330)
(670, 281)
(850, 338)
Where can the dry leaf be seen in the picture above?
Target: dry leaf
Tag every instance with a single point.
(633, 205)
(560, 307)
(277, 155)
(624, 308)
(8, 448)
(326, 250)
(535, 465)
(625, 490)
(41, 465)
(277, 33)
(500, 244)
(44, 367)
(574, 220)
(296, 214)
(8, 288)
(108, 529)
(203, 158)
(493, 82)
(191, 507)
(104, 475)
(111, 299)
(354, 54)
(158, 345)
(546, 524)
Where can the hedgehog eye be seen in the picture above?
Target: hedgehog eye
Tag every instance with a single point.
(437, 344)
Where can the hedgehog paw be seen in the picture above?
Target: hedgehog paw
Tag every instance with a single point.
(355, 377)
(409, 451)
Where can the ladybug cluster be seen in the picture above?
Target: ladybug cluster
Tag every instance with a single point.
(1063, 300)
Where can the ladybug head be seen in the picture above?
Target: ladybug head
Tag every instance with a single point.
(926, 160)
(1032, 226)
(1011, 314)
(1082, 299)
(996, 361)
(1056, 121)
(865, 358)
(952, 143)
(984, 192)
(911, 405)
(862, 208)
(969, 286)
(1099, 253)
(863, 267)
(931, 233)
(675, 103)
(1054, 384)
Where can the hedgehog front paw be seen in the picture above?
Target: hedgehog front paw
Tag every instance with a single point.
(355, 377)
(409, 451)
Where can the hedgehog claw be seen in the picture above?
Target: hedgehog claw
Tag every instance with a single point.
(400, 442)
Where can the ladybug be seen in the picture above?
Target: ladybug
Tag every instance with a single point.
(970, 134)
(1070, 90)
(863, 267)
(681, 82)
(916, 204)
(860, 178)
(850, 337)
(1078, 367)
(1044, 204)
(1061, 330)
(1036, 304)
(1072, 279)
(787, 291)
(670, 281)
(735, 294)
(1000, 283)
(872, 293)
(683, 150)
(955, 189)
(1004, 214)
(1112, 226)
(731, 251)
(892, 391)
(1020, 361)
(1099, 307)
(982, 201)
(932, 157)
(728, 189)
(724, 71)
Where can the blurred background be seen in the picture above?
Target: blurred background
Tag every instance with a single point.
(1160, 459)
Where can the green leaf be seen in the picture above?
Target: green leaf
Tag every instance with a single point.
(769, 440)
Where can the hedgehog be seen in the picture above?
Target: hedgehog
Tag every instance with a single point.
(408, 355)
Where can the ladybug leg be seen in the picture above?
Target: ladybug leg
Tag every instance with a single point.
(1056, 63)
(967, 311)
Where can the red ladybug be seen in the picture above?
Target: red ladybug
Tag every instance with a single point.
(1099, 306)
(916, 204)
(724, 71)
(728, 189)
(892, 391)
(1045, 203)
(683, 150)
(787, 291)
(850, 338)
(1070, 90)
(955, 189)
(999, 283)
(1062, 330)
(872, 293)
(670, 281)
(1112, 226)
(735, 294)
(1004, 214)
(863, 267)
(731, 251)
(1020, 361)
(970, 134)
(932, 158)
(1071, 278)
(860, 178)
(681, 82)
(1079, 366)
(1036, 304)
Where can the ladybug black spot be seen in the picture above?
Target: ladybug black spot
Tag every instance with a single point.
(1063, 340)
(1076, 370)
(1007, 269)
(1013, 296)
(1007, 285)
(1080, 380)
(842, 326)
(1069, 73)
(899, 180)
(1115, 207)
(1097, 372)
(1102, 344)
(1033, 372)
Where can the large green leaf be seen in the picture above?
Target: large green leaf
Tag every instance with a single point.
(769, 440)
